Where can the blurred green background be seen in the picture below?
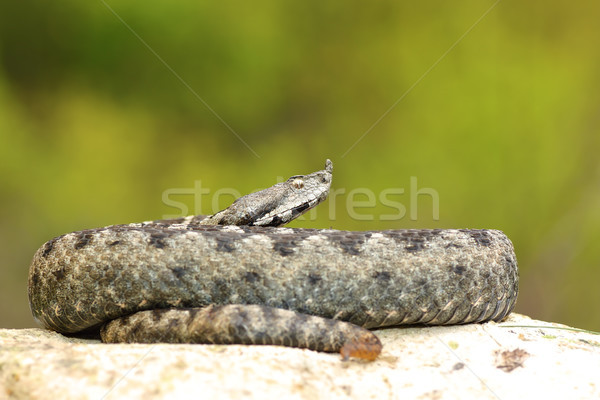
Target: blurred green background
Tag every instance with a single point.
(504, 124)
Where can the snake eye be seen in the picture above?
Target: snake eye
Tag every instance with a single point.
(297, 183)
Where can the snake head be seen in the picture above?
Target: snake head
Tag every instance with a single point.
(279, 204)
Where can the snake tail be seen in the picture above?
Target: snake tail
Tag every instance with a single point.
(243, 324)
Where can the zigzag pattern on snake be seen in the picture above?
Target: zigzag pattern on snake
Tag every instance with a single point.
(206, 280)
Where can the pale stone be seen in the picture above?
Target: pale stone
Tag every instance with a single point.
(485, 361)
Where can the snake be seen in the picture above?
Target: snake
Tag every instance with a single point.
(239, 277)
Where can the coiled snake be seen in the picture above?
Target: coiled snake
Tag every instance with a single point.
(234, 277)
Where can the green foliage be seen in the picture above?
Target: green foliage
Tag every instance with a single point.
(94, 127)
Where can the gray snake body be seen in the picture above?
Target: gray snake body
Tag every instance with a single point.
(245, 277)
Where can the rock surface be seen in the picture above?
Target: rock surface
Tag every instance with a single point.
(517, 358)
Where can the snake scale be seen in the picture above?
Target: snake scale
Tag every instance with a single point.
(236, 277)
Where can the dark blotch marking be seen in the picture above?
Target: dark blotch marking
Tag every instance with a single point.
(178, 272)
(35, 278)
(414, 240)
(116, 242)
(350, 247)
(83, 239)
(285, 246)
(222, 288)
(243, 314)
(248, 229)
(59, 273)
(49, 246)
(157, 314)
(458, 269)
(413, 248)
(481, 237)
(225, 244)
(382, 276)
(314, 278)
(192, 312)
(238, 327)
(173, 322)
(195, 222)
(165, 223)
(349, 242)
(251, 277)
(157, 239)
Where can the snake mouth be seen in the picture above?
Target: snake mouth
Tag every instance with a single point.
(285, 216)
